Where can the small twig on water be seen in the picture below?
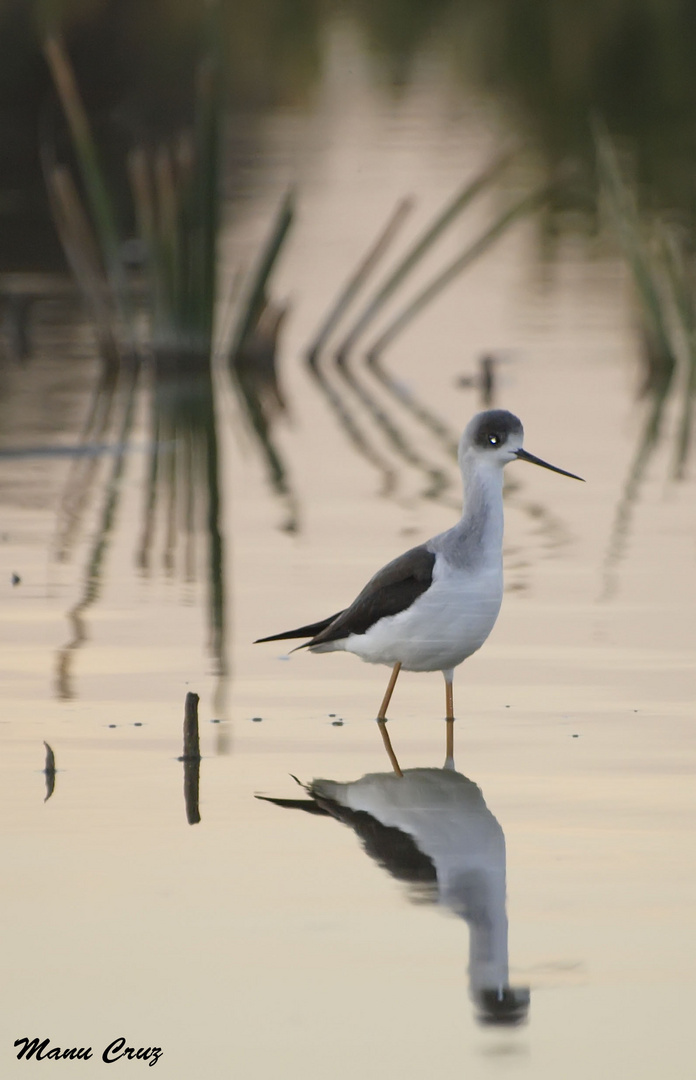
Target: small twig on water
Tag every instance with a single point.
(49, 771)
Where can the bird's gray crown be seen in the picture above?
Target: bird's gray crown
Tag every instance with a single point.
(492, 429)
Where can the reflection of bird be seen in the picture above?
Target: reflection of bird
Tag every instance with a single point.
(433, 826)
(435, 605)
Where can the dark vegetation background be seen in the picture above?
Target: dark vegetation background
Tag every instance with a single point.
(550, 65)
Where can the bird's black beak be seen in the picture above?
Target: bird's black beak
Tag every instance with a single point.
(524, 456)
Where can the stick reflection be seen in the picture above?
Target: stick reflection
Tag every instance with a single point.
(432, 829)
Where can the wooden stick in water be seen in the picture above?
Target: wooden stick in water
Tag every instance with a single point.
(192, 746)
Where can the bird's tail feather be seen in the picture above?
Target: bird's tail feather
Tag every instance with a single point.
(309, 631)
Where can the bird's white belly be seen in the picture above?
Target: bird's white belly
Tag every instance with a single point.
(447, 623)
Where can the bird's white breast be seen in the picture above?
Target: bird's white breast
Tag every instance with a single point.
(447, 623)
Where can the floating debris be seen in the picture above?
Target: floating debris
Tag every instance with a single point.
(484, 381)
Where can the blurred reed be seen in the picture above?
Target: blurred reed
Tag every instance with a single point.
(159, 321)
(251, 356)
(415, 254)
(660, 257)
(395, 436)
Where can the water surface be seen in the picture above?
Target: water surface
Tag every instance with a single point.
(267, 942)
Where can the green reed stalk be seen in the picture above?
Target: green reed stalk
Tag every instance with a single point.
(519, 210)
(470, 190)
(647, 274)
(257, 295)
(90, 167)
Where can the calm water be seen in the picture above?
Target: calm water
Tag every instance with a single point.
(264, 941)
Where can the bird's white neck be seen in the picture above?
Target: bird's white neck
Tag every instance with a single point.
(477, 538)
(482, 483)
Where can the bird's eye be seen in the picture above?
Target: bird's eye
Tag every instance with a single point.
(494, 440)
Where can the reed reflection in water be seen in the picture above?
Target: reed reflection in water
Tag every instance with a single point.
(431, 829)
(182, 496)
(184, 473)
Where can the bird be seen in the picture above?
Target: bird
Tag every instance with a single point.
(432, 829)
(434, 606)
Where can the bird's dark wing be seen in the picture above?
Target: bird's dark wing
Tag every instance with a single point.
(393, 589)
(302, 631)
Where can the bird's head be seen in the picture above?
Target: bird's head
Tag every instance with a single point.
(495, 437)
